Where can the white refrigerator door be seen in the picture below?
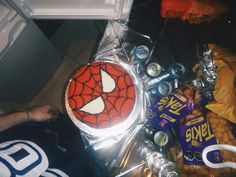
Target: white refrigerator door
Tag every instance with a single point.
(6, 14)
(11, 25)
(76, 9)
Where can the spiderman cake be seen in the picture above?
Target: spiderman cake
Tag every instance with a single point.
(101, 96)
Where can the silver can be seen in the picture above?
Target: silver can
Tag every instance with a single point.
(153, 69)
(161, 138)
(140, 54)
(174, 71)
(162, 89)
(157, 161)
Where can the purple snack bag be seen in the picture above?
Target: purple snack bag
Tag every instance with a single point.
(169, 110)
(195, 135)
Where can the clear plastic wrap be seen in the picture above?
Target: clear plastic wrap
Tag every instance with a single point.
(113, 61)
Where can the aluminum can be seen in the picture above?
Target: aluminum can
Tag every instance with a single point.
(159, 137)
(175, 71)
(153, 69)
(157, 161)
(162, 89)
(140, 54)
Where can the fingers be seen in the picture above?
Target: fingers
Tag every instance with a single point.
(53, 112)
(43, 113)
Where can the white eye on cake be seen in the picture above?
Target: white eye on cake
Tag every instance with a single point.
(97, 105)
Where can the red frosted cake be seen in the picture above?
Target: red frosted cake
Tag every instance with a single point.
(100, 95)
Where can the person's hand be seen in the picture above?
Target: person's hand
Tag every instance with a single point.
(42, 113)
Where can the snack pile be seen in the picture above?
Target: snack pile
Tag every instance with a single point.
(201, 120)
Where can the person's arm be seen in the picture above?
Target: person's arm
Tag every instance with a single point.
(38, 114)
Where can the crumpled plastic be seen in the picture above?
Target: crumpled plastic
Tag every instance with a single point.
(224, 90)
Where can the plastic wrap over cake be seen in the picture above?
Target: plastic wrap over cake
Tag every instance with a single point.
(104, 99)
(119, 41)
(111, 40)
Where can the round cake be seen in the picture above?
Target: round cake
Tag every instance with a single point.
(100, 95)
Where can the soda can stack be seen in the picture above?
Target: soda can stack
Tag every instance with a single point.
(157, 161)
(173, 72)
(139, 55)
(162, 83)
(158, 83)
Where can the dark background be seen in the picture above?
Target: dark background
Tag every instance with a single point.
(175, 40)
